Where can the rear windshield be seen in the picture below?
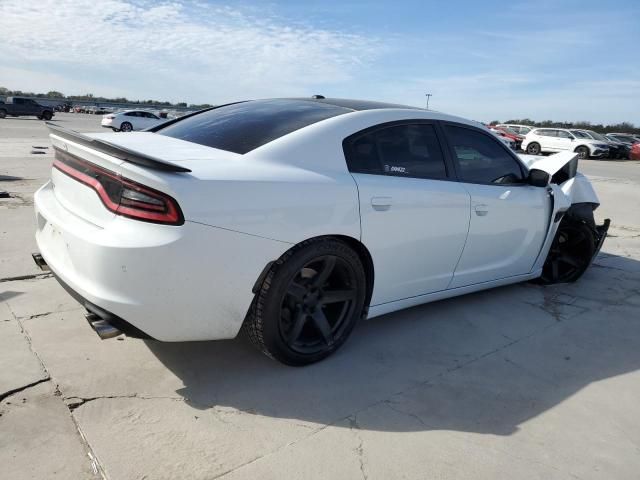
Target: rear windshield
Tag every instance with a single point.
(242, 127)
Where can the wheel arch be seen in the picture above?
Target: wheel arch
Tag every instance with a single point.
(361, 250)
(585, 145)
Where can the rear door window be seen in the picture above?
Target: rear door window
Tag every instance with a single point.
(408, 150)
(563, 134)
(482, 158)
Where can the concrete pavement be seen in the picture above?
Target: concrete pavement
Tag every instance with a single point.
(518, 382)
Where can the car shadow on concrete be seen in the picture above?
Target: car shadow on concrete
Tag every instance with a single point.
(485, 362)
(10, 178)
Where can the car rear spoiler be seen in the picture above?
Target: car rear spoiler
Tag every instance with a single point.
(116, 151)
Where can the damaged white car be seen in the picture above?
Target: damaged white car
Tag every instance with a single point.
(294, 218)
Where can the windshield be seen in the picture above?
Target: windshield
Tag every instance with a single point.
(598, 136)
(580, 134)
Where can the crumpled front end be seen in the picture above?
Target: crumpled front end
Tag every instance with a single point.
(573, 239)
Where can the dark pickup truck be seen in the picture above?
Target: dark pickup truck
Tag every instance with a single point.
(22, 107)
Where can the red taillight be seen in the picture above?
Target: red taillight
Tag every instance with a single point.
(119, 194)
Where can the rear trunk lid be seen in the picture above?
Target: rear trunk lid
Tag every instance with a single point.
(169, 165)
(135, 156)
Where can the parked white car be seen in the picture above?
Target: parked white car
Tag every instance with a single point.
(519, 129)
(295, 218)
(550, 140)
(131, 120)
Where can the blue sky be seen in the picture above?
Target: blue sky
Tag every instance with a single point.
(561, 60)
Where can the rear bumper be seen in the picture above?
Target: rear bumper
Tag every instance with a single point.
(117, 322)
(191, 282)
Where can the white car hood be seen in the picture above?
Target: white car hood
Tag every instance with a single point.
(550, 164)
(577, 189)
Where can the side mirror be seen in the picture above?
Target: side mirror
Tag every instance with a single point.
(538, 178)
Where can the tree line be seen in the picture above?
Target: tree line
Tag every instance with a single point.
(89, 97)
(623, 127)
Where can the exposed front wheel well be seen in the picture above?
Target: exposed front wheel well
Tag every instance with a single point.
(576, 242)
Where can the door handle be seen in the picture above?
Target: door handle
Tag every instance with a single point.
(381, 203)
(481, 210)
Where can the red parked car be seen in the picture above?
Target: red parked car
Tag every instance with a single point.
(635, 151)
(510, 134)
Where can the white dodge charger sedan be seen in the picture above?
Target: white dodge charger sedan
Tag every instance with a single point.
(294, 218)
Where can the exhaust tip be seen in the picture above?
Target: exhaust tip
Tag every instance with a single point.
(40, 262)
(103, 328)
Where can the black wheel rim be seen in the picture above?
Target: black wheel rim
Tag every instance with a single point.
(568, 257)
(582, 153)
(126, 127)
(318, 304)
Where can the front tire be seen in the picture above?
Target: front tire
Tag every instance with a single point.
(571, 251)
(533, 148)
(126, 127)
(308, 303)
(47, 116)
(583, 152)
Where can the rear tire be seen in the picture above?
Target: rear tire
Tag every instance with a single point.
(308, 303)
(533, 148)
(126, 127)
(3, 113)
(583, 152)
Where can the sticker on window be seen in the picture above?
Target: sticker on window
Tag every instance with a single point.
(394, 169)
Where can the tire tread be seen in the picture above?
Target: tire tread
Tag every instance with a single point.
(254, 324)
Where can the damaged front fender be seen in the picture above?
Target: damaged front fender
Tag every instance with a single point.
(565, 255)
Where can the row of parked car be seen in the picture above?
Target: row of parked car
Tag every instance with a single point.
(534, 141)
(92, 109)
(587, 143)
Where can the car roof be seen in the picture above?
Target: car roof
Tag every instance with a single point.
(353, 104)
(135, 110)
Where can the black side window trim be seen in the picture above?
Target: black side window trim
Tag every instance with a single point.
(448, 162)
(452, 153)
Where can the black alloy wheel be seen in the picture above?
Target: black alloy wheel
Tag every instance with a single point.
(309, 302)
(317, 305)
(570, 253)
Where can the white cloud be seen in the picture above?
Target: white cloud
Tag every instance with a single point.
(178, 50)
